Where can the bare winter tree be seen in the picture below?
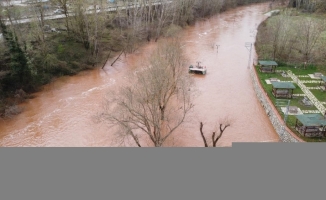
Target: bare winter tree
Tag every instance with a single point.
(132, 27)
(183, 11)
(156, 101)
(164, 13)
(310, 31)
(88, 24)
(214, 137)
(285, 41)
(64, 4)
(12, 13)
(39, 12)
(276, 34)
(281, 37)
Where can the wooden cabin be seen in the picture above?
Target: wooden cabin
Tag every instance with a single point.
(311, 125)
(283, 89)
(267, 66)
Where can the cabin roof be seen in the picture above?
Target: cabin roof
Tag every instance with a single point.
(283, 85)
(312, 119)
(323, 78)
(267, 63)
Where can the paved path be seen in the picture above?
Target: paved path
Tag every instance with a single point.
(319, 105)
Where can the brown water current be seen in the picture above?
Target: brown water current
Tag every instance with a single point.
(61, 114)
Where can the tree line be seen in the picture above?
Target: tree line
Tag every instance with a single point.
(294, 38)
(309, 5)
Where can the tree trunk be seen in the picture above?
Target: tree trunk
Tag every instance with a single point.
(117, 58)
(202, 134)
(136, 139)
(107, 59)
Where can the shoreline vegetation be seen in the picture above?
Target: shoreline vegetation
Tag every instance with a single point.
(295, 38)
(35, 53)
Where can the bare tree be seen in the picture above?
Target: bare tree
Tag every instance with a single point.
(183, 12)
(214, 137)
(132, 20)
(310, 33)
(276, 34)
(88, 24)
(156, 101)
(287, 38)
(39, 11)
(281, 36)
(163, 12)
(12, 13)
(64, 4)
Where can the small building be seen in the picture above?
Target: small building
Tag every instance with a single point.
(267, 66)
(311, 125)
(283, 89)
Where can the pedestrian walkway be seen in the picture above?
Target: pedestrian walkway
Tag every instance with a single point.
(310, 111)
(313, 88)
(299, 95)
(309, 81)
(321, 108)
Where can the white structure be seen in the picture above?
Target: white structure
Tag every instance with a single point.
(198, 68)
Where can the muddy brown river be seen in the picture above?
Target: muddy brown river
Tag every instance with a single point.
(61, 114)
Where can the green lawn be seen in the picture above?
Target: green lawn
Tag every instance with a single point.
(311, 84)
(319, 94)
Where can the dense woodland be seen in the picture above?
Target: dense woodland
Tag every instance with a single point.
(309, 5)
(32, 54)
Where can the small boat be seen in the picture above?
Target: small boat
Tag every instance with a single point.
(197, 69)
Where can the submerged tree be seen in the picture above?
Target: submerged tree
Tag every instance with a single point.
(215, 137)
(156, 101)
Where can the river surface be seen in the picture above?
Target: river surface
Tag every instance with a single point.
(61, 115)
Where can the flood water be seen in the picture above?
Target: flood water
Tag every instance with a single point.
(61, 114)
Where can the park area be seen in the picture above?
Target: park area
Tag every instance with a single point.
(299, 95)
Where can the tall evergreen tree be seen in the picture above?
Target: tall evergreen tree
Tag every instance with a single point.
(20, 75)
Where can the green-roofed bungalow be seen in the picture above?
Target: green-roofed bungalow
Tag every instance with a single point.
(267, 66)
(311, 125)
(283, 89)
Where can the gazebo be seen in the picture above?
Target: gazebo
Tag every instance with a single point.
(283, 89)
(311, 125)
(267, 66)
(323, 83)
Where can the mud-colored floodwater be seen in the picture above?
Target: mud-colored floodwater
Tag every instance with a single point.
(61, 114)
